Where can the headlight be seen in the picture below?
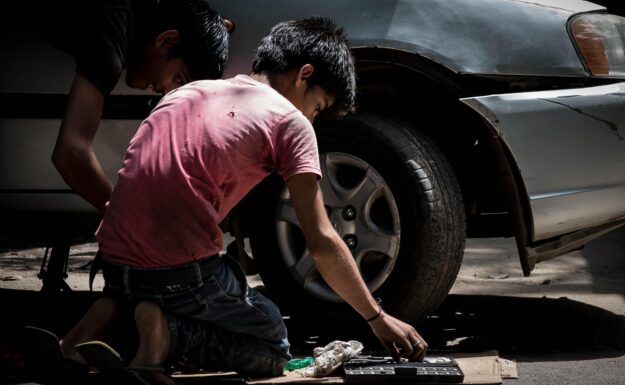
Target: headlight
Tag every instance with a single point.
(600, 39)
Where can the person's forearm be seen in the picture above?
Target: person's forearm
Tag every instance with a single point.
(73, 154)
(83, 173)
(336, 265)
(339, 270)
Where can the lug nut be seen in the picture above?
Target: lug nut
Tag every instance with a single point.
(349, 213)
(351, 241)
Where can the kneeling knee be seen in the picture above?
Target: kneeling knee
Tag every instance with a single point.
(147, 310)
(105, 307)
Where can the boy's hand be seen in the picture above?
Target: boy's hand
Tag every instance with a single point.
(399, 338)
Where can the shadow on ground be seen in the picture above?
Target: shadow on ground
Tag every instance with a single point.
(464, 323)
(511, 325)
(525, 325)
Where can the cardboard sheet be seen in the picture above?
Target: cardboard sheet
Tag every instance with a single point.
(484, 368)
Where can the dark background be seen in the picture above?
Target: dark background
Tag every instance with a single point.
(616, 7)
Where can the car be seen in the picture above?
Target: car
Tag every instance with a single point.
(476, 118)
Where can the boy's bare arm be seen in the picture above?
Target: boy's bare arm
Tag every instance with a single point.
(73, 154)
(337, 267)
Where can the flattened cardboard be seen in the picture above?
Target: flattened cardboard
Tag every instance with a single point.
(508, 368)
(479, 368)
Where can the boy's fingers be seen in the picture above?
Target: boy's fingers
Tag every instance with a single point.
(419, 349)
(392, 349)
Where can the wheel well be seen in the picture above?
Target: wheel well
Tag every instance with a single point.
(428, 98)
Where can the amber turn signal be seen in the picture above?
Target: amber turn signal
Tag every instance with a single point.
(600, 40)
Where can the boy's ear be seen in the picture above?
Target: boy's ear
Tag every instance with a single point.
(229, 25)
(167, 39)
(304, 73)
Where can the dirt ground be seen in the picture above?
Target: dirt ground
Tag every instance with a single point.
(594, 275)
(19, 268)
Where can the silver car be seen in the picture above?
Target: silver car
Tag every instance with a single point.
(476, 118)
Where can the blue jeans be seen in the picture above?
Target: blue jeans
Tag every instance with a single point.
(219, 323)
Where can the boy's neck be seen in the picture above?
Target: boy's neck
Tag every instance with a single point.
(260, 78)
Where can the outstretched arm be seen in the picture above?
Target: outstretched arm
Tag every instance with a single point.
(336, 265)
(73, 154)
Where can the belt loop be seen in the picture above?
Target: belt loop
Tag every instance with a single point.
(126, 278)
(96, 265)
(198, 274)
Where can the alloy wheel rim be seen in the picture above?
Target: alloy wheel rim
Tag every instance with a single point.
(362, 210)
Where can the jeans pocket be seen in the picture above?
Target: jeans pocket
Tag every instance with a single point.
(231, 279)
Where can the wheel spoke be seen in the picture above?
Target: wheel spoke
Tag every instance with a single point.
(330, 187)
(367, 189)
(359, 254)
(286, 212)
(304, 269)
(376, 240)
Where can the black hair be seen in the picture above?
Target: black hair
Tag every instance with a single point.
(317, 41)
(203, 44)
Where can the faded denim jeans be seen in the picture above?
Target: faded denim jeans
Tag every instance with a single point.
(220, 323)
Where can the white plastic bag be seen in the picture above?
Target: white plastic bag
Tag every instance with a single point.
(331, 356)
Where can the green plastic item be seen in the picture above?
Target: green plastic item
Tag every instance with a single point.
(298, 363)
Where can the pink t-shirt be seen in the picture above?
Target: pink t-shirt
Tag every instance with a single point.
(201, 150)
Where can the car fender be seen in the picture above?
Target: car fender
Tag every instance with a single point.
(578, 184)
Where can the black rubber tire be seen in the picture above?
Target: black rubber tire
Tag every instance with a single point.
(431, 215)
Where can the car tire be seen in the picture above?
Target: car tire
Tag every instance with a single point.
(410, 207)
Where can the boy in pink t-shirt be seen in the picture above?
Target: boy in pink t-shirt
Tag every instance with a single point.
(199, 152)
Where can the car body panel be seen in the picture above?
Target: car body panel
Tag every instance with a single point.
(570, 150)
(40, 76)
(466, 36)
(505, 38)
(28, 179)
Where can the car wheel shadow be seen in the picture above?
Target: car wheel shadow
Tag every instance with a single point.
(474, 323)
(525, 325)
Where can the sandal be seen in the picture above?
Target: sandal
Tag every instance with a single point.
(45, 362)
(108, 362)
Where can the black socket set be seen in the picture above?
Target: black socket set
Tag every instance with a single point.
(382, 370)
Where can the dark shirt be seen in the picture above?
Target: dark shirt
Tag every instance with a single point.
(102, 35)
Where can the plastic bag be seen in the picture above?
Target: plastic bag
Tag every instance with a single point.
(299, 363)
(331, 356)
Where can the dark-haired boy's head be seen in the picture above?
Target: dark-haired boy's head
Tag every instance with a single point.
(203, 44)
(186, 40)
(315, 42)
